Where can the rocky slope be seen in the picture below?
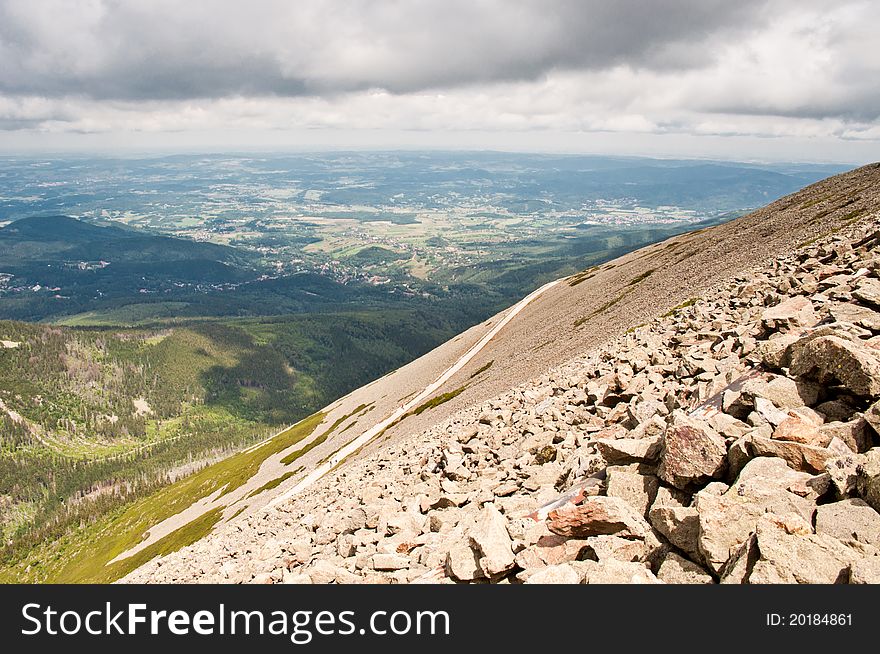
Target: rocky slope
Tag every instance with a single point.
(734, 439)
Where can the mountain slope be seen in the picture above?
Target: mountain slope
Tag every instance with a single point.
(735, 441)
(568, 319)
(92, 419)
(607, 457)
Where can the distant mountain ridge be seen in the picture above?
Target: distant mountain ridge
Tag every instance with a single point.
(61, 265)
(76, 238)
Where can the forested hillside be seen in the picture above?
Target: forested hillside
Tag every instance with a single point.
(91, 419)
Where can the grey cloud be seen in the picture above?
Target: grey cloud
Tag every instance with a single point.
(857, 107)
(117, 49)
(800, 68)
(15, 124)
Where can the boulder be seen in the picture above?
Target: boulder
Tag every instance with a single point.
(802, 484)
(783, 549)
(872, 416)
(623, 451)
(849, 520)
(535, 442)
(299, 551)
(389, 562)
(263, 578)
(345, 546)
(552, 550)
(865, 571)
(636, 489)
(555, 574)
(678, 570)
(642, 412)
(843, 473)
(728, 426)
(449, 499)
(868, 291)
(443, 520)
(491, 540)
(740, 453)
(617, 572)
(868, 478)
(811, 487)
(767, 473)
(856, 314)
(807, 414)
(782, 392)
(775, 353)
(322, 572)
(354, 519)
(829, 359)
(678, 522)
(798, 430)
(806, 458)
(768, 411)
(726, 520)
(793, 312)
(599, 548)
(693, 453)
(298, 578)
(855, 433)
(462, 562)
(739, 566)
(597, 516)
(404, 523)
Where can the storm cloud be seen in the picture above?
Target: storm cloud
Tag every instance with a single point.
(794, 68)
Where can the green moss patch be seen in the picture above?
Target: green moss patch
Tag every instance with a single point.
(641, 278)
(436, 401)
(482, 369)
(684, 305)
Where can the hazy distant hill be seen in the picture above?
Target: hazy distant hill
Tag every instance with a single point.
(60, 250)
(160, 188)
(62, 266)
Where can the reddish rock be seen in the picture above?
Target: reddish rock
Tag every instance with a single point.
(793, 312)
(800, 431)
(598, 516)
(693, 453)
(806, 458)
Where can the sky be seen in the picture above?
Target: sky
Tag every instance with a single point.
(737, 79)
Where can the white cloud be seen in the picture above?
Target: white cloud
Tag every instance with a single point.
(795, 71)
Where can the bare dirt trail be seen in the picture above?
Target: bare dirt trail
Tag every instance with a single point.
(362, 440)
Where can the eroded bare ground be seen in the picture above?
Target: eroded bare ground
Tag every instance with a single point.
(732, 439)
